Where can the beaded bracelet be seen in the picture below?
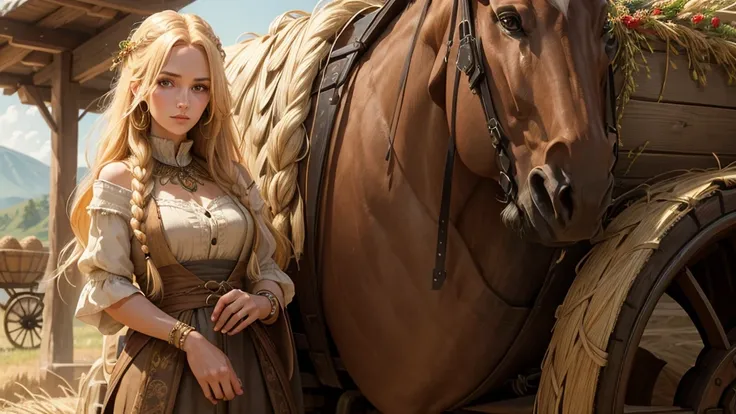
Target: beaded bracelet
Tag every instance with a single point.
(274, 305)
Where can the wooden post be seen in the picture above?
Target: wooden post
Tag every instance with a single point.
(57, 345)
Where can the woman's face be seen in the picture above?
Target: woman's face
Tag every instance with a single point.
(181, 94)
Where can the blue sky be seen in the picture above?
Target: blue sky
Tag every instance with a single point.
(23, 129)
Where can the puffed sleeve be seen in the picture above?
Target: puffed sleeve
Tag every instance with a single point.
(106, 261)
(267, 246)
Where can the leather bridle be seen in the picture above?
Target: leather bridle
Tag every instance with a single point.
(471, 62)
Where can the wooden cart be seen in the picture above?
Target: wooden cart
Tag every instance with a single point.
(20, 272)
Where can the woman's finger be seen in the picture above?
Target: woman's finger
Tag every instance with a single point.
(251, 318)
(235, 319)
(237, 385)
(223, 302)
(227, 387)
(206, 390)
(216, 389)
(229, 310)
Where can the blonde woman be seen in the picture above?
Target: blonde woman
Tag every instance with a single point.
(171, 233)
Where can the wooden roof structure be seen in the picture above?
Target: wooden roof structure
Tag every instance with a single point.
(32, 31)
(57, 54)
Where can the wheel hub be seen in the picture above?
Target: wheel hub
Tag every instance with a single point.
(711, 384)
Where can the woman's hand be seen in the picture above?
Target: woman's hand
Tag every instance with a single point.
(212, 369)
(238, 306)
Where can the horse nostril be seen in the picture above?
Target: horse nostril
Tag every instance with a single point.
(565, 204)
(539, 193)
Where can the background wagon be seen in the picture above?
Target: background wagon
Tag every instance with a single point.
(22, 266)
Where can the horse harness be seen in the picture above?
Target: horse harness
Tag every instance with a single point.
(470, 61)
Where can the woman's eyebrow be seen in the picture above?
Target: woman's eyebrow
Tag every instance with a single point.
(179, 76)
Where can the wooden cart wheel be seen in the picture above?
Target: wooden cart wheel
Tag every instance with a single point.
(696, 266)
(23, 320)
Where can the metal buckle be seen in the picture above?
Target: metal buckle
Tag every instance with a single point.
(494, 128)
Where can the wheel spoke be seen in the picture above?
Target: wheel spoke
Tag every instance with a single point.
(25, 336)
(638, 409)
(35, 308)
(698, 306)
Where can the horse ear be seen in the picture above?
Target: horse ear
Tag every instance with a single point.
(438, 77)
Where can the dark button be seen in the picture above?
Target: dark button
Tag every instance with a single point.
(207, 213)
(214, 241)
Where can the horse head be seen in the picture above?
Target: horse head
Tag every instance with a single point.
(535, 115)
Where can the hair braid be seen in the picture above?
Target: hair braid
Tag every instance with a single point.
(142, 187)
(271, 83)
(281, 255)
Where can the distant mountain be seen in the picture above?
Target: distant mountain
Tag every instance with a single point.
(23, 177)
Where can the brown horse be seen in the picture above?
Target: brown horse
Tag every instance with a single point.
(410, 348)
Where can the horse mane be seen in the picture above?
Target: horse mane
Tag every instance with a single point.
(271, 78)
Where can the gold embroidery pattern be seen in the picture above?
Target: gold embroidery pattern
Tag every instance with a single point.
(161, 370)
(188, 177)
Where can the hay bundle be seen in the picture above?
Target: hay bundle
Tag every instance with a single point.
(587, 317)
(272, 77)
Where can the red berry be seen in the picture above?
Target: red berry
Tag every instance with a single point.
(715, 22)
(698, 18)
(656, 12)
(631, 22)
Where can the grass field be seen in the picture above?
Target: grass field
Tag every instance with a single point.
(22, 365)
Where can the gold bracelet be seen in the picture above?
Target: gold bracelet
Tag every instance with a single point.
(179, 333)
(173, 332)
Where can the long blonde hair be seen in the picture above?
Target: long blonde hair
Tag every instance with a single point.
(125, 135)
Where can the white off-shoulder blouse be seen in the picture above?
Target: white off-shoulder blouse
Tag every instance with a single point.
(189, 230)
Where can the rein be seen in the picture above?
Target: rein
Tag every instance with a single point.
(471, 62)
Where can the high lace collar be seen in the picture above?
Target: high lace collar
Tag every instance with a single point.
(165, 151)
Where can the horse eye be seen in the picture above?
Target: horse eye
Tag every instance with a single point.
(511, 22)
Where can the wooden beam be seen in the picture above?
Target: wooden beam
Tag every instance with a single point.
(43, 76)
(35, 96)
(29, 36)
(141, 8)
(90, 10)
(11, 80)
(58, 314)
(95, 56)
(86, 97)
(10, 55)
(37, 59)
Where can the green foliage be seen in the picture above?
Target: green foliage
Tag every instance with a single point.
(22, 220)
(31, 215)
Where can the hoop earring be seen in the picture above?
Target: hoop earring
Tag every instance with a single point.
(144, 122)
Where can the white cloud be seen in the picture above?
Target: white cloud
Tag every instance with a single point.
(31, 143)
(32, 110)
(9, 118)
(43, 153)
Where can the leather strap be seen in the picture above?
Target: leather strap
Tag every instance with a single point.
(402, 82)
(471, 61)
(307, 277)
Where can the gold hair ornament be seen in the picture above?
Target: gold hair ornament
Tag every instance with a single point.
(126, 48)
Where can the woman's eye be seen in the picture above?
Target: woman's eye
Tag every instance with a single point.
(511, 22)
(164, 82)
(201, 88)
